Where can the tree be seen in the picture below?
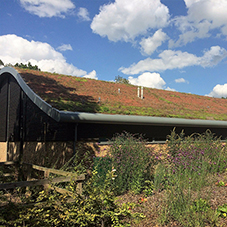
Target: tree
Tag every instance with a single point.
(121, 80)
(29, 66)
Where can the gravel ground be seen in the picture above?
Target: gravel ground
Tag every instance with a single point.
(152, 207)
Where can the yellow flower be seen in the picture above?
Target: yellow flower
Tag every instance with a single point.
(224, 214)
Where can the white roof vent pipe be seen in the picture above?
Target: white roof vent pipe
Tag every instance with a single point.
(140, 95)
(141, 92)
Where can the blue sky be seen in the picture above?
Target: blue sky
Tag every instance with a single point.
(178, 45)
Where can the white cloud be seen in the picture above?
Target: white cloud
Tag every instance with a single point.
(213, 56)
(169, 59)
(150, 44)
(170, 89)
(181, 80)
(152, 80)
(14, 49)
(83, 14)
(190, 32)
(203, 16)
(219, 91)
(65, 47)
(126, 19)
(48, 8)
(190, 2)
(91, 75)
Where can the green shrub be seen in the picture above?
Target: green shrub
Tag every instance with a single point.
(97, 206)
(222, 210)
(132, 161)
(190, 162)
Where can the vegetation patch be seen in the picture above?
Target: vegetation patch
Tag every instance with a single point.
(135, 184)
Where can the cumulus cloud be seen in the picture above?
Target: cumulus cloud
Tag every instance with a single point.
(170, 59)
(219, 91)
(181, 80)
(151, 80)
(150, 44)
(48, 8)
(203, 16)
(190, 2)
(91, 75)
(170, 89)
(65, 47)
(213, 56)
(14, 49)
(83, 14)
(126, 19)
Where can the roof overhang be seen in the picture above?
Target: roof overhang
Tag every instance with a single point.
(45, 107)
(80, 117)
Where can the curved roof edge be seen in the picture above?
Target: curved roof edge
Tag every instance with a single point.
(45, 107)
(82, 117)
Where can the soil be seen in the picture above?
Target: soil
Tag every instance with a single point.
(216, 195)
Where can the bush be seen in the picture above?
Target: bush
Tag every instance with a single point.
(132, 161)
(97, 206)
(190, 162)
(27, 66)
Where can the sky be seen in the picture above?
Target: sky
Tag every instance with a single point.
(177, 45)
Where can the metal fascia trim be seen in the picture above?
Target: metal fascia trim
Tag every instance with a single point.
(45, 107)
(137, 120)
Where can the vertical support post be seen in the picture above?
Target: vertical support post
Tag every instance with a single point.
(21, 175)
(45, 138)
(46, 175)
(7, 120)
(22, 123)
(79, 188)
(75, 140)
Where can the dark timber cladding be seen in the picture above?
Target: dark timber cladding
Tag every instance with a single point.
(21, 119)
(25, 117)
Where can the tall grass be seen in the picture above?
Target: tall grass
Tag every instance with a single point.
(132, 161)
(191, 162)
(184, 176)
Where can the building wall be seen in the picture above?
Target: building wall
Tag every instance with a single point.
(48, 154)
(3, 153)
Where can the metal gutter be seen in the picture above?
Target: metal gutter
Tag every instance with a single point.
(45, 107)
(73, 117)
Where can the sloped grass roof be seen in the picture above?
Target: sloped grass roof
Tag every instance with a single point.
(76, 94)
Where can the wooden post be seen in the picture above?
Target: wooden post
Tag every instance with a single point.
(46, 175)
(79, 188)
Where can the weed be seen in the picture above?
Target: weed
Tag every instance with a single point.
(133, 162)
(192, 159)
(222, 210)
